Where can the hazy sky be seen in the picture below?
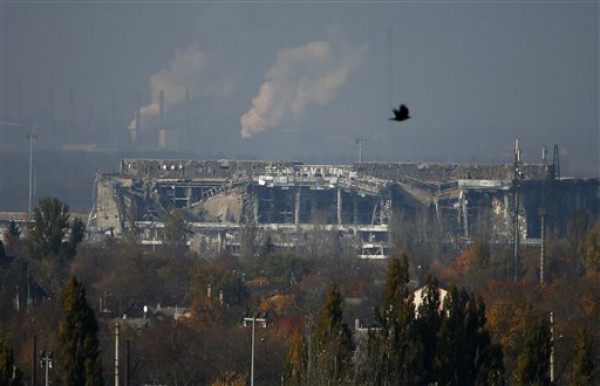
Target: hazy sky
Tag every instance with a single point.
(303, 80)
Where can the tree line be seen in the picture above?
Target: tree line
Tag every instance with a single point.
(487, 330)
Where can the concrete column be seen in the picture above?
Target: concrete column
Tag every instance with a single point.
(297, 207)
(255, 207)
(188, 196)
(339, 206)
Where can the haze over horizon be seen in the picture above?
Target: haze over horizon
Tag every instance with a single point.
(304, 80)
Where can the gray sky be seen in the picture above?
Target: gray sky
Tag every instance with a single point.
(303, 80)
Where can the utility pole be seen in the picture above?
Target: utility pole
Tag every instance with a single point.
(542, 213)
(551, 347)
(116, 354)
(47, 363)
(360, 142)
(34, 365)
(254, 319)
(31, 139)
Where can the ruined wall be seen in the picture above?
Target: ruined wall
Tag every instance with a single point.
(467, 200)
(440, 172)
(208, 169)
(237, 169)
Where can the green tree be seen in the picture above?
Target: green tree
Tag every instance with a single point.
(428, 322)
(10, 375)
(174, 232)
(396, 358)
(582, 369)
(333, 343)
(533, 364)
(78, 340)
(248, 240)
(50, 233)
(466, 354)
(12, 237)
(579, 223)
(324, 356)
(591, 249)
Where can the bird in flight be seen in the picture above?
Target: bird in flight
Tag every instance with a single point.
(400, 114)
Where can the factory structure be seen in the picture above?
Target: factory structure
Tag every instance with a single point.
(289, 204)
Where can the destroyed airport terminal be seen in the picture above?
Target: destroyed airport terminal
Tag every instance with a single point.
(287, 203)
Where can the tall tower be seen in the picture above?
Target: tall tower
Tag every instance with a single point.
(556, 163)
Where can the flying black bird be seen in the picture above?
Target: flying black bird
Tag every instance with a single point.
(400, 114)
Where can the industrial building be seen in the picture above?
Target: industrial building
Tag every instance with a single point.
(291, 203)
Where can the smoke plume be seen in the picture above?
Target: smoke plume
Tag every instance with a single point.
(308, 75)
(183, 72)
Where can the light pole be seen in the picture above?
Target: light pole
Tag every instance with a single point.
(46, 362)
(254, 319)
(551, 347)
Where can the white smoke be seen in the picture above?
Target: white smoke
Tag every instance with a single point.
(182, 73)
(310, 74)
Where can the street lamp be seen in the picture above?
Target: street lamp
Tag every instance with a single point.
(254, 319)
(47, 363)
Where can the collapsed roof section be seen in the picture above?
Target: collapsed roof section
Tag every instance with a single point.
(219, 194)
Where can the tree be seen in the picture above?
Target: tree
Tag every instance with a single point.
(12, 237)
(579, 223)
(174, 232)
(333, 344)
(9, 374)
(466, 355)
(231, 378)
(582, 369)
(51, 234)
(591, 249)
(78, 340)
(248, 237)
(428, 322)
(295, 363)
(396, 357)
(324, 356)
(533, 364)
